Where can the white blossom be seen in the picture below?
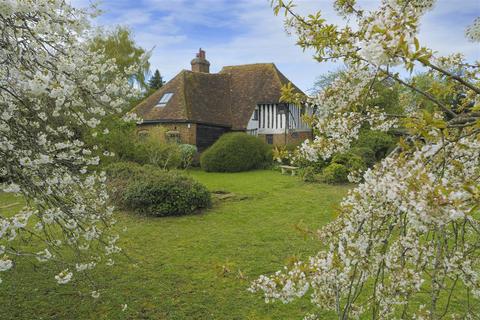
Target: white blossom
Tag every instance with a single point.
(5, 264)
(64, 277)
(473, 31)
(44, 255)
(411, 228)
(52, 85)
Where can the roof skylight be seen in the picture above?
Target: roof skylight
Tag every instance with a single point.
(164, 100)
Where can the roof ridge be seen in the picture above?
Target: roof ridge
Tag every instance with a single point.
(249, 64)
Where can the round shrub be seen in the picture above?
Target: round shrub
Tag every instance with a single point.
(166, 194)
(366, 154)
(235, 152)
(350, 160)
(335, 173)
(379, 142)
(123, 170)
(121, 174)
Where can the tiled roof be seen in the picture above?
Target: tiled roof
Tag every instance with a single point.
(227, 98)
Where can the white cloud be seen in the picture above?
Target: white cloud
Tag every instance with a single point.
(246, 31)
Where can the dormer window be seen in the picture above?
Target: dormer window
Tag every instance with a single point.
(164, 100)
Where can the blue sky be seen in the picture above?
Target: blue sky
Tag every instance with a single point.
(246, 31)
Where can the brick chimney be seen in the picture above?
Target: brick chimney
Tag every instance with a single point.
(200, 63)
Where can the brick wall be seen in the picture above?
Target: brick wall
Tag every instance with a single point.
(187, 135)
(292, 138)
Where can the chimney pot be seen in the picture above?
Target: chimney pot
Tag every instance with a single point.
(200, 63)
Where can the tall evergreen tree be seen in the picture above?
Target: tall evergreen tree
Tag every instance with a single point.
(156, 81)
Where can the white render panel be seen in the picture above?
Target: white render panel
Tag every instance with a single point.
(253, 124)
(270, 121)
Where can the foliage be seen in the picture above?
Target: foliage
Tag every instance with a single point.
(235, 152)
(308, 174)
(119, 175)
(367, 155)
(350, 160)
(148, 190)
(166, 194)
(316, 164)
(119, 46)
(335, 173)
(285, 154)
(125, 171)
(115, 140)
(52, 86)
(187, 155)
(325, 80)
(281, 154)
(156, 81)
(411, 229)
(379, 142)
(158, 151)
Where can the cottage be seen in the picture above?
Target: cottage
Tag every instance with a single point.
(197, 107)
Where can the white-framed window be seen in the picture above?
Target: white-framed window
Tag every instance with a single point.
(164, 100)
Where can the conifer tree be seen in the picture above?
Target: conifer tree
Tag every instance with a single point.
(156, 81)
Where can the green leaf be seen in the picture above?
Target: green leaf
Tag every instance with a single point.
(417, 44)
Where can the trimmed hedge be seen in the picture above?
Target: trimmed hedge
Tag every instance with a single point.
(235, 152)
(150, 191)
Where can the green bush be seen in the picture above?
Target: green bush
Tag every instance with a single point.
(317, 166)
(148, 190)
(187, 154)
(123, 170)
(121, 140)
(335, 173)
(121, 174)
(378, 142)
(366, 154)
(167, 194)
(160, 153)
(235, 152)
(350, 160)
(308, 174)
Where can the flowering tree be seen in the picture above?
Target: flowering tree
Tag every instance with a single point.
(406, 242)
(51, 87)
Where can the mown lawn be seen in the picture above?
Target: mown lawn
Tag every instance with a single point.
(193, 267)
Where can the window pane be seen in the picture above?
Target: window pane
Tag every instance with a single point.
(164, 99)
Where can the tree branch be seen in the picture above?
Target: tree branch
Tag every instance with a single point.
(451, 75)
(423, 93)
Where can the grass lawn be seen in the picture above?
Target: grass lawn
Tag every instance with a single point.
(193, 267)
